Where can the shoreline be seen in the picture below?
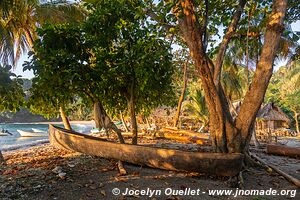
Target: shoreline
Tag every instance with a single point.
(10, 144)
(60, 122)
(24, 146)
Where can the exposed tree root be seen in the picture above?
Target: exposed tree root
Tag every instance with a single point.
(241, 182)
(233, 181)
(251, 162)
(288, 177)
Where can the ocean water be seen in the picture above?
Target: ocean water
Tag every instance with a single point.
(15, 141)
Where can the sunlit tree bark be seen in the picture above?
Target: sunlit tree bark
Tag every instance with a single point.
(65, 119)
(227, 134)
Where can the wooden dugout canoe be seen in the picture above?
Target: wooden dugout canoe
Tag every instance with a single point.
(177, 160)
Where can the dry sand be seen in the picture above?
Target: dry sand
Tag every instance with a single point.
(33, 174)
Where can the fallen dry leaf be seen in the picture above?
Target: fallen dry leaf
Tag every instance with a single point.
(103, 192)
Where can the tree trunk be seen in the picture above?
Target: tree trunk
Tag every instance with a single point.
(264, 69)
(181, 98)
(2, 161)
(254, 138)
(106, 122)
(97, 116)
(131, 108)
(134, 129)
(296, 122)
(124, 123)
(228, 135)
(65, 119)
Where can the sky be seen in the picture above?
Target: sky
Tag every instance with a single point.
(29, 74)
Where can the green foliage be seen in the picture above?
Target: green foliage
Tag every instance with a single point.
(128, 52)
(233, 80)
(11, 92)
(61, 65)
(197, 108)
(284, 88)
(99, 59)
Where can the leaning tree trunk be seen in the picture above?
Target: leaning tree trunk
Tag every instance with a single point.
(124, 123)
(181, 98)
(264, 69)
(230, 135)
(2, 161)
(97, 116)
(65, 119)
(296, 122)
(106, 122)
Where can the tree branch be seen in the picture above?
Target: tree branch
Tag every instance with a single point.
(155, 17)
(204, 27)
(226, 39)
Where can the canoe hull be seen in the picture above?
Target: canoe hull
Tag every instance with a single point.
(208, 163)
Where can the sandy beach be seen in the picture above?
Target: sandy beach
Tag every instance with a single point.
(47, 172)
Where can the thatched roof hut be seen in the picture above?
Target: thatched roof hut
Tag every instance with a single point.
(271, 117)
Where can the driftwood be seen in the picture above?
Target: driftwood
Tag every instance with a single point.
(183, 138)
(221, 164)
(288, 177)
(283, 150)
(173, 136)
(129, 134)
(184, 132)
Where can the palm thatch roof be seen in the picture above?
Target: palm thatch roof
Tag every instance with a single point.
(271, 112)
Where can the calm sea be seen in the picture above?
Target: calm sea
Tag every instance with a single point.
(14, 142)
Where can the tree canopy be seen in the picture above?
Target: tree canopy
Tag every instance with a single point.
(11, 92)
(114, 60)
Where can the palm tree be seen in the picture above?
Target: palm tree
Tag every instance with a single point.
(197, 108)
(19, 20)
(233, 80)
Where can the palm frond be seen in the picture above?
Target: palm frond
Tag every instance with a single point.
(197, 107)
